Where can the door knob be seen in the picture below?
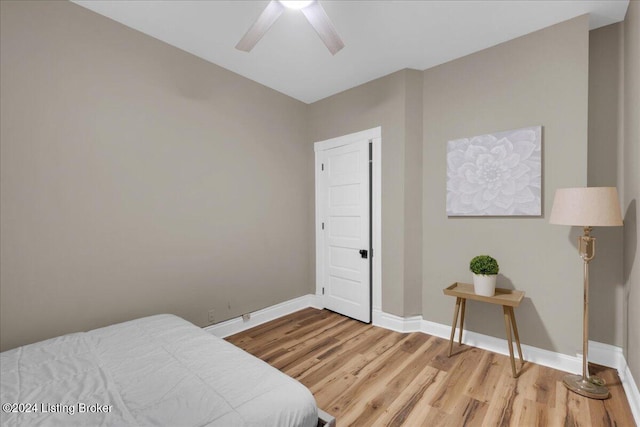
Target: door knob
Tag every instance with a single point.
(363, 253)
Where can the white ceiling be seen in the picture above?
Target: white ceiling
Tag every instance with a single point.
(380, 37)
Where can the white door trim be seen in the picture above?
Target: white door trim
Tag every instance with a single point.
(375, 135)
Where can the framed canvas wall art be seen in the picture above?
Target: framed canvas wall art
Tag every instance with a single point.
(498, 174)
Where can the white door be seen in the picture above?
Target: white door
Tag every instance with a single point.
(344, 183)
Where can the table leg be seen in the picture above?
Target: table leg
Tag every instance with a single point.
(453, 325)
(507, 324)
(515, 333)
(462, 307)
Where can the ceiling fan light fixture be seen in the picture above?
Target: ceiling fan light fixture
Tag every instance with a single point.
(311, 9)
(296, 4)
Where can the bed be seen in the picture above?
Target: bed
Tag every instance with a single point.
(159, 370)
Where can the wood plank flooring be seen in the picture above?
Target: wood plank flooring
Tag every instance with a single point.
(369, 376)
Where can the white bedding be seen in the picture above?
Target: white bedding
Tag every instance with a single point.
(159, 370)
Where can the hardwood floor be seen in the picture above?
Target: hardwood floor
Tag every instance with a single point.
(369, 376)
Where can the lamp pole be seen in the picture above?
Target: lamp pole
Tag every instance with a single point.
(586, 386)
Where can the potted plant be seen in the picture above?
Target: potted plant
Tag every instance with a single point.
(485, 271)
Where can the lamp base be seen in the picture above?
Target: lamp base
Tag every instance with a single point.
(586, 388)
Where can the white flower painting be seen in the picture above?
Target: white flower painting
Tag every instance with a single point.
(498, 174)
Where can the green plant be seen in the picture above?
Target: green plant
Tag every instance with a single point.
(484, 264)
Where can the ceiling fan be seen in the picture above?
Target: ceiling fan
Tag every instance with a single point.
(311, 9)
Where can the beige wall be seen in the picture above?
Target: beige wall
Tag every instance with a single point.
(605, 105)
(614, 159)
(381, 102)
(137, 179)
(501, 88)
(631, 186)
(413, 194)
(538, 79)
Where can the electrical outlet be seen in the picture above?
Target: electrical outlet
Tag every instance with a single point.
(212, 315)
(246, 317)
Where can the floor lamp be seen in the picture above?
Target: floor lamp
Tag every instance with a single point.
(586, 207)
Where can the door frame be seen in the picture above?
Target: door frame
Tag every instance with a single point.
(375, 136)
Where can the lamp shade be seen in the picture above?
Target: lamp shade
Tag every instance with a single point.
(586, 207)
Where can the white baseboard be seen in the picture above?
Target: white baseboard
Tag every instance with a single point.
(631, 389)
(396, 323)
(606, 355)
(235, 325)
(532, 354)
(602, 354)
(610, 355)
(497, 345)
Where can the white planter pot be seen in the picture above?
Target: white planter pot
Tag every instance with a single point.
(484, 285)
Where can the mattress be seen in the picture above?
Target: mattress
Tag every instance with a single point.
(159, 370)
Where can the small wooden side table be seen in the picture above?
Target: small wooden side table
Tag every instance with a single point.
(507, 298)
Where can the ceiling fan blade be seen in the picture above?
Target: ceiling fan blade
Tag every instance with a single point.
(319, 20)
(269, 15)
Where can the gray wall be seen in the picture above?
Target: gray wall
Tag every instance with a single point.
(137, 179)
(631, 185)
(605, 105)
(383, 102)
(538, 79)
(413, 194)
(614, 154)
(542, 79)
